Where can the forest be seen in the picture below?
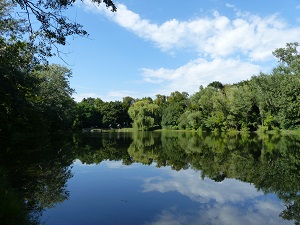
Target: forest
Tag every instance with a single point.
(36, 96)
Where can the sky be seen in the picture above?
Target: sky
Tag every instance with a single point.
(158, 47)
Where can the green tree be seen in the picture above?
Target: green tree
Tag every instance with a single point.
(286, 78)
(277, 97)
(177, 97)
(217, 119)
(145, 115)
(171, 115)
(262, 88)
(55, 96)
(47, 24)
(87, 115)
(114, 114)
(216, 84)
(289, 59)
(176, 104)
(17, 84)
(128, 101)
(202, 101)
(242, 108)
(160, 100)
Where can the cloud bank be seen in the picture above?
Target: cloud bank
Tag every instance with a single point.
(217, 36)
(229, 49)
(200, 71)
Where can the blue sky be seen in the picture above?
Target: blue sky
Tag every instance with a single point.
(157, 47)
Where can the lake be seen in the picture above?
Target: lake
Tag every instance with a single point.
(150, 178)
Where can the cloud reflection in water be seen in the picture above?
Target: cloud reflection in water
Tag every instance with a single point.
(227, 202)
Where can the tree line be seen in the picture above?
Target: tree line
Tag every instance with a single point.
(36, 96)
(264, 102)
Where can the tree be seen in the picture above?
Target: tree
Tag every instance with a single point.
(55, 96)
(241, 108)
(160, 100)
(190, 120)
(128, 101)
(216, 84)
(171, 115)
(114, 114)
(87, 115)
(277, 97)
(177, 97)
(286, 84)
(289, 58)
(217, 119)
(54, 27)
(175, 106)
(17, 84)
(262, 89)
(144, 114)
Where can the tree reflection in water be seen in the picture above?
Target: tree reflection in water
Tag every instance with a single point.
(270, 162)
(34, 172)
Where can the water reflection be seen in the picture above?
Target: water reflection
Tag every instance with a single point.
(227, 202)
(33, 176)
(202, 179)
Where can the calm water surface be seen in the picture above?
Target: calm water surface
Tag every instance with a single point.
(152, 178)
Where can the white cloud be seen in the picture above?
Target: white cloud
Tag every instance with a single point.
(217, 36)
(228, 202)
(200, 72)
(77, 162)
(230, 5)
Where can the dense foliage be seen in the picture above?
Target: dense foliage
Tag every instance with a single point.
(95, 113)
(37, 96)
